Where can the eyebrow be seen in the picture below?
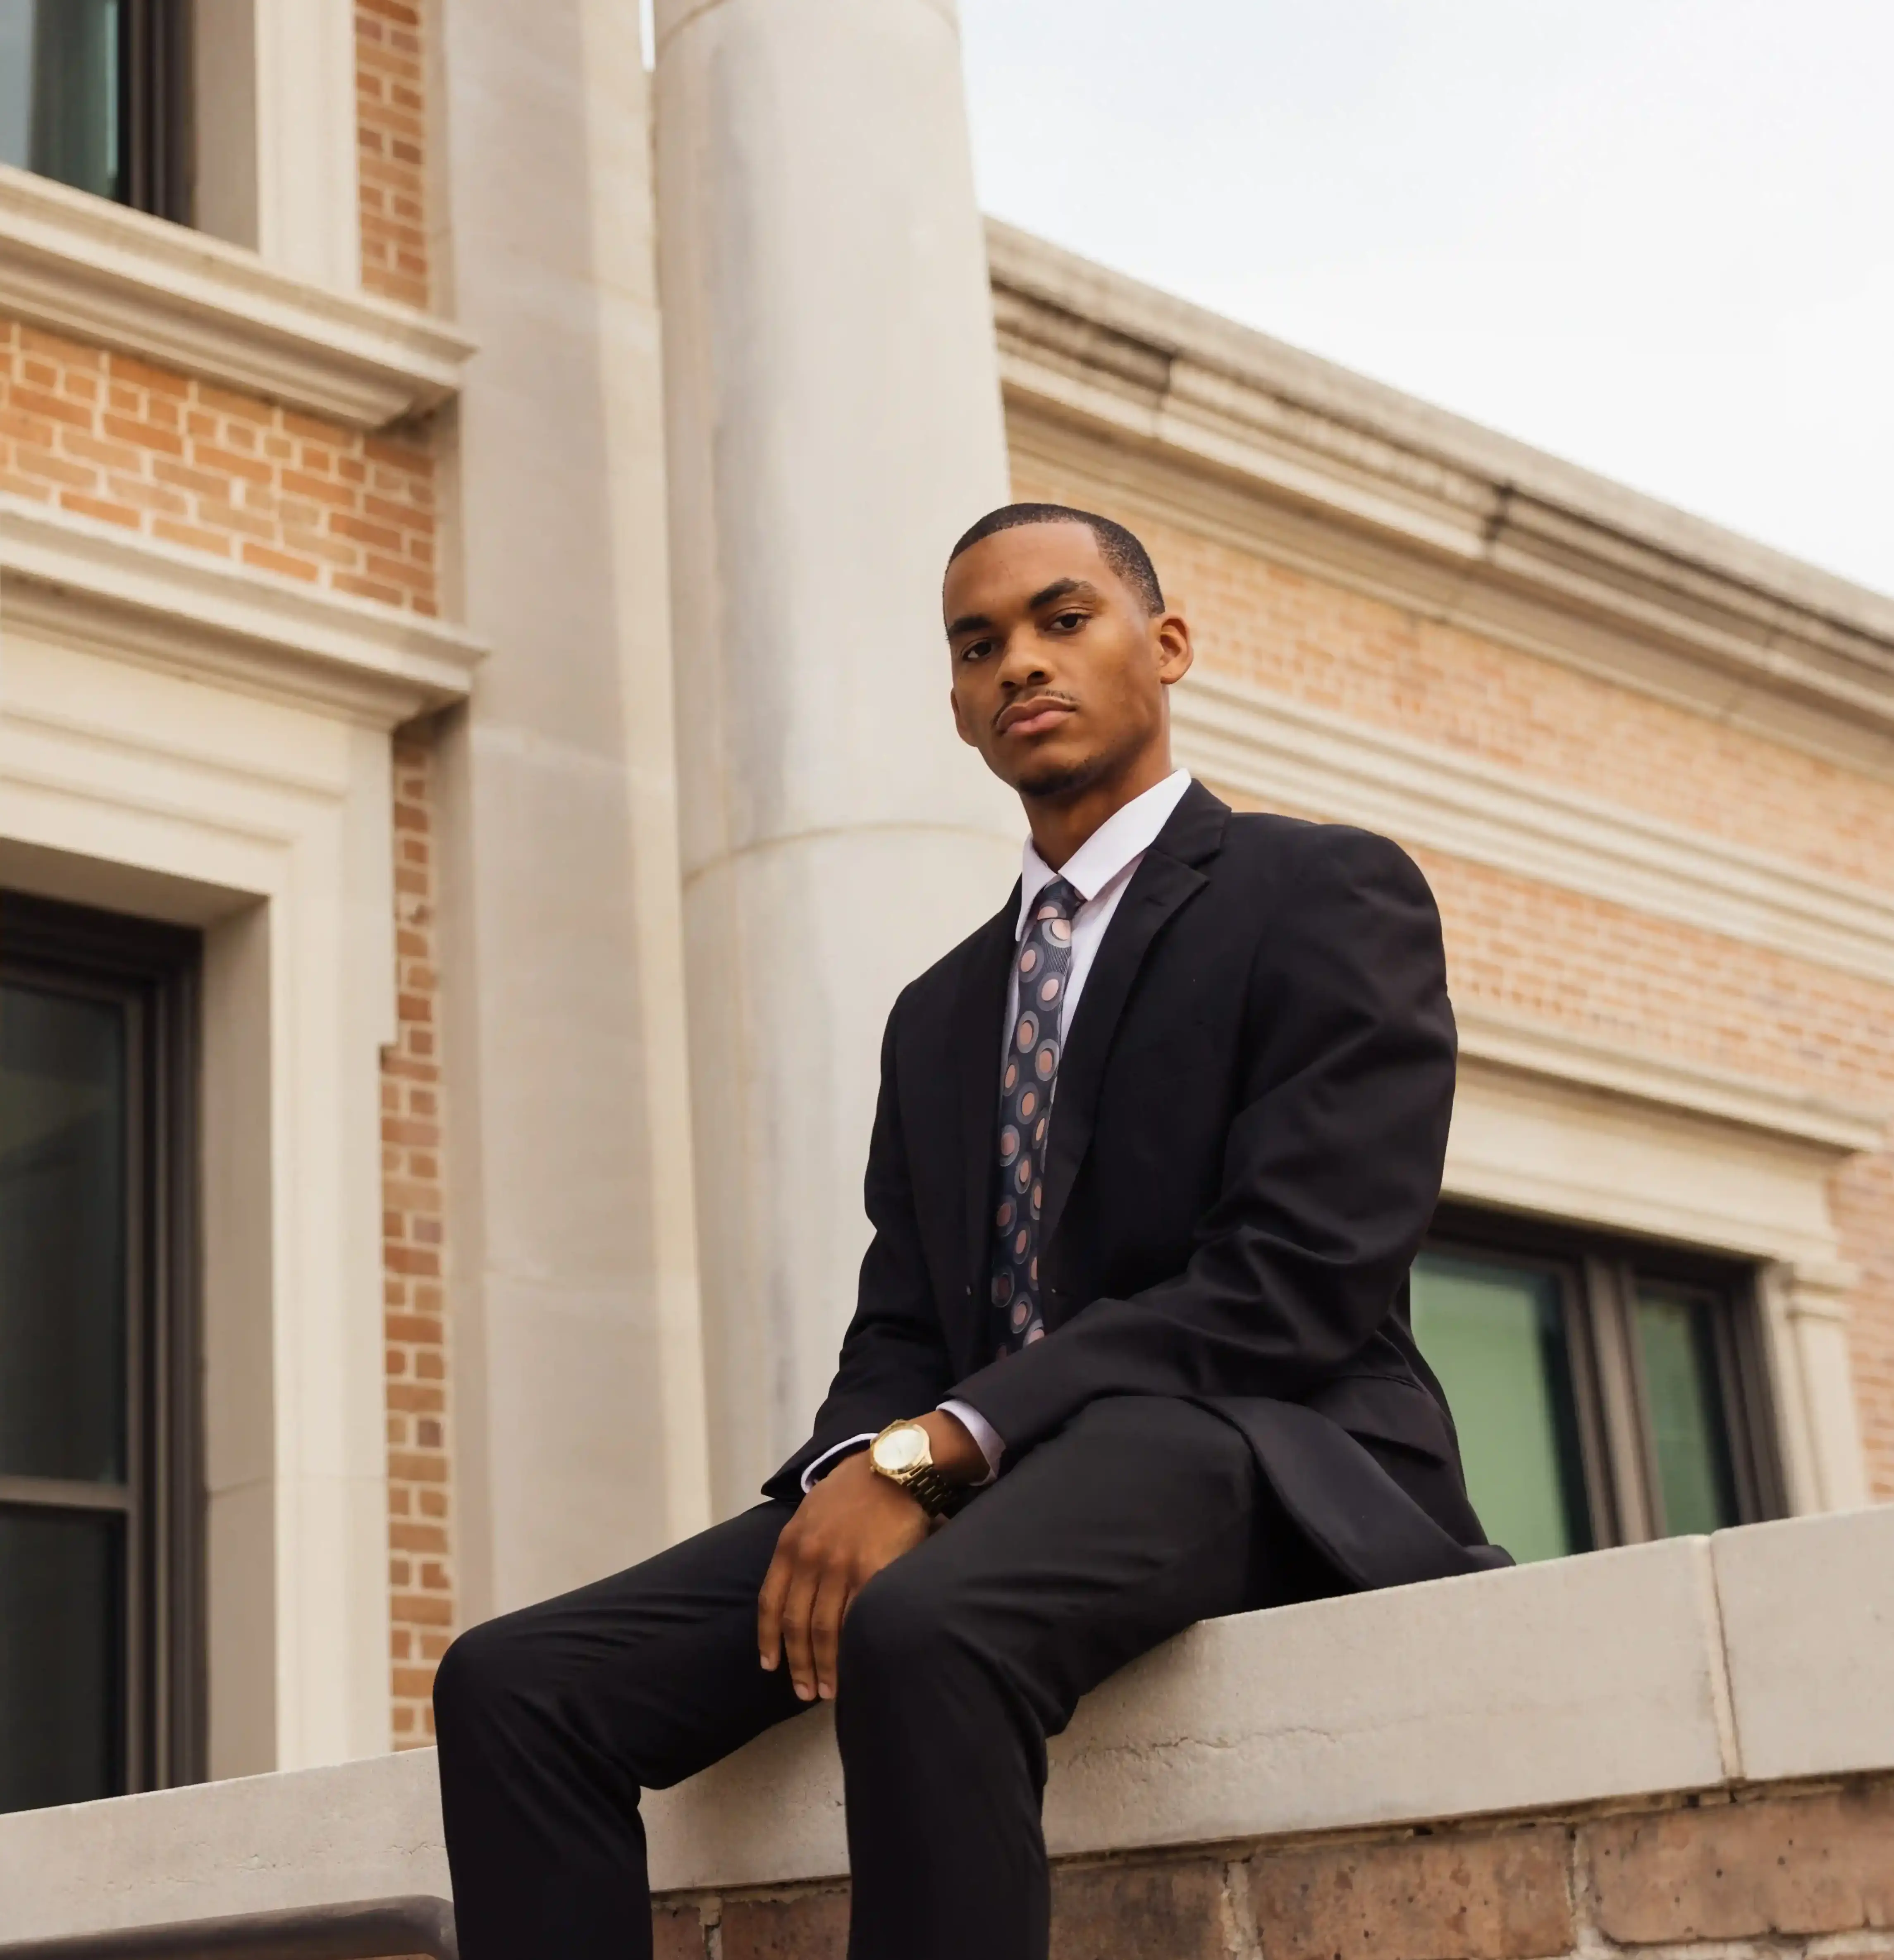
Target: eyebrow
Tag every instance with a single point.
(1060, 588)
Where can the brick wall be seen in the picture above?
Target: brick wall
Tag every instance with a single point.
(420, 1494)
(1780, 1873)
(110, 437)
(390, 155)
(1584, 964)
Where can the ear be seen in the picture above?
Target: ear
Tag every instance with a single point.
(1170, 638)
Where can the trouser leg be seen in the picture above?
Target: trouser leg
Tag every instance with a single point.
(958, 1660)
(551, 1720)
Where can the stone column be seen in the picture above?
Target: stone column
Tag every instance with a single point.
(579, 1399)
(833, 415)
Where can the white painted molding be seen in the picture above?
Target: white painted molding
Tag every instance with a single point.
(79, 579)
(140, 779)
(1231, 433)
(83, 266)
(308, 200)
(1527, 1048)
(1281, 751)
(1589, 1680)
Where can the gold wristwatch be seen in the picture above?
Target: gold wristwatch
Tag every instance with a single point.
(903, 1454)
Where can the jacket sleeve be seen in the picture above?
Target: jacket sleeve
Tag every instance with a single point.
(894, 1359)
(1331, 1165)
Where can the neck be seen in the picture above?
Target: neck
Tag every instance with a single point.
(1060, 823)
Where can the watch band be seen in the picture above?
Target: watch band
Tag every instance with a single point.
(928, 1487)
(922, 1481)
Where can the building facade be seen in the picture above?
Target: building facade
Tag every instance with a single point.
(459, 491)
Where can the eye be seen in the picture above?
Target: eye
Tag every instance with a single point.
(1067, 622)
(976, 650)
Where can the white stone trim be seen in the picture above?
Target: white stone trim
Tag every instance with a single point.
(1693, 1665)
(1232, 435)
(267, 823)
(1547, 1125)
(308, 200)
(215, 618)
(81, 265)
(1282, 752)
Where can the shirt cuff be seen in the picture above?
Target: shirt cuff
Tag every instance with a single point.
(983, 1433)
(830, 1456)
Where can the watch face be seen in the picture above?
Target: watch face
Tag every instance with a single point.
(900, 1450)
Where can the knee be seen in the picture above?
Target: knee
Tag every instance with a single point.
(899, 1630)
(480, 1676)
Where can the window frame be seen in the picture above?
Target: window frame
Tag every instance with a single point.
(155, 120)
(1598, 1275)
(152, 972)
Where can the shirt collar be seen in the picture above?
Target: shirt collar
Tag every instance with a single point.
(1123, 838)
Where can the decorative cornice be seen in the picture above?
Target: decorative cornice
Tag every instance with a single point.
(1228, 432)
(1527, 1048)
(83, 266)
(74, 579)
(1284, 753)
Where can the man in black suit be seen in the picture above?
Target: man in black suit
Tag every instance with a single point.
(1154, 1149)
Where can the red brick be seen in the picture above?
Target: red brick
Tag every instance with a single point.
(808, 1925)
(1501, 1895)
(1776, 1866)
(1113, 1912)
(677, 1934)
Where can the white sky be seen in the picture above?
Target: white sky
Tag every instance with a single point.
(1656, 237)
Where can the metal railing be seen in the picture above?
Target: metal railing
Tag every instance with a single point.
(373, 1929)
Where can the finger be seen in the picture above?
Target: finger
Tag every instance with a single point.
(796, 1609)
(769, 1604)
(825, 1630)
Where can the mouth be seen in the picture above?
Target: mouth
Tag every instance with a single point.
(1034, 717)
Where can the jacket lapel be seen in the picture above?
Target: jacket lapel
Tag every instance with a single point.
(974, 1041)
(1166, 880)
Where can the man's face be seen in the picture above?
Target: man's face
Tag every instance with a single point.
(1059, 673)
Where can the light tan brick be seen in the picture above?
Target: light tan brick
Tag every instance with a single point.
(1501, 1895)
(1785, 1865)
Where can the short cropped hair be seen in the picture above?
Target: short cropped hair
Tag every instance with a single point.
(1119, 548)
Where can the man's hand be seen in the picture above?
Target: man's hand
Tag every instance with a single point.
(850, 1526)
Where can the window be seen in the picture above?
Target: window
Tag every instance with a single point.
(92, 92)
(1604, 1393)
(100, 1504)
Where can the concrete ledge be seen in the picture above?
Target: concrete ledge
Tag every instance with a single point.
(1548, 1688)
(1808, 1625)
(1595, 1678)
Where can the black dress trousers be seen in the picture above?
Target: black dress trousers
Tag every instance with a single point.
(957, 1662)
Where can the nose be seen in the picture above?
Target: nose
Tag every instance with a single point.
(1023, 664)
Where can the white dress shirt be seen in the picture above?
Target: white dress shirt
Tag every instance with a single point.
(1099, 870)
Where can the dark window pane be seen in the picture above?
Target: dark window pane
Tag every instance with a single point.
(62, 1245)
(1494, 1333)
(61, 91)
(62, 1686)
(1677, 1340)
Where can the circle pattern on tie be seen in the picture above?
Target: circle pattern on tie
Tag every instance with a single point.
(1041, 969)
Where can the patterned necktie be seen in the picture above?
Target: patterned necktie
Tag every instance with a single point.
(1027, 1076)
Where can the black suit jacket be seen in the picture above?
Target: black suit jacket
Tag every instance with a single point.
(1246, 1148)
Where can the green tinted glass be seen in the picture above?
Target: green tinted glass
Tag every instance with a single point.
(61, 91)
(62, 1242)
(1676, 1340)
(61, 1673)
(1495, 1332)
